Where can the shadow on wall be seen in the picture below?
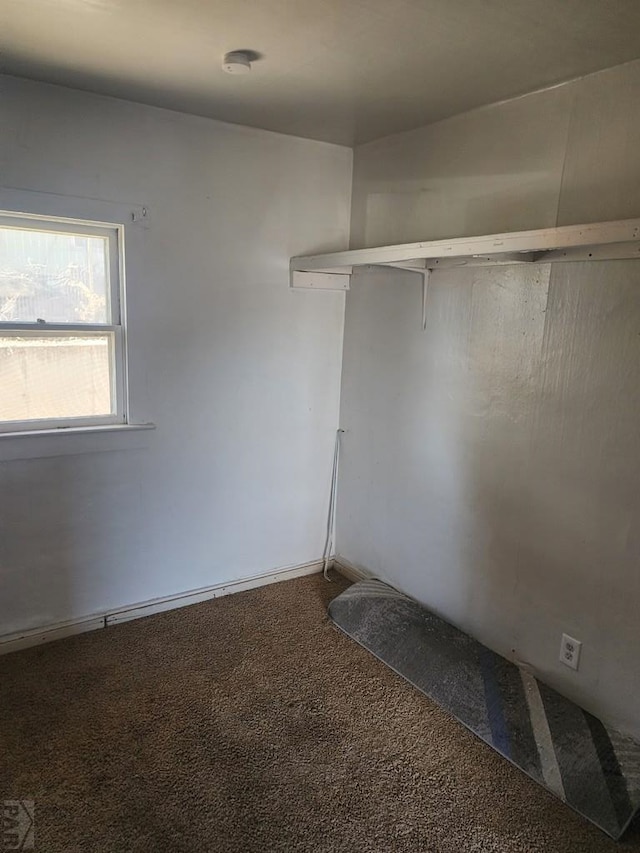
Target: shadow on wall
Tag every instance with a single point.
(37, 542)
(490, 466)
(553, 472)
(70, 533)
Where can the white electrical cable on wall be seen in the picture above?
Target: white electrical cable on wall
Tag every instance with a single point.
(331, 517)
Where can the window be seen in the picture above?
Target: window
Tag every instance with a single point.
(62, 349)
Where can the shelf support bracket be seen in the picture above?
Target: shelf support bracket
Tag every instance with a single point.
(423, 272)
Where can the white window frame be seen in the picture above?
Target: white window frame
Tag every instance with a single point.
(115, 329)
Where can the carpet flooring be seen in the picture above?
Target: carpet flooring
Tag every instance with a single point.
(249, 723)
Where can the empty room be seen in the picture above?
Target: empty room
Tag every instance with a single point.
(320, 426)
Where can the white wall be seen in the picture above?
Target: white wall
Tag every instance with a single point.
(240, 375)
(490, 466)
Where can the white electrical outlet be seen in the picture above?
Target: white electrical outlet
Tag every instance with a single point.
(570, 651)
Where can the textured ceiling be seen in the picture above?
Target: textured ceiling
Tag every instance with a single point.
(344, 71)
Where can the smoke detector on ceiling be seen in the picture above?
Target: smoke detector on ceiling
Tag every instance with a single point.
(237, 62)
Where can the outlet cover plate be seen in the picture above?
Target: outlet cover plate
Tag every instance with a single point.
(570, 651)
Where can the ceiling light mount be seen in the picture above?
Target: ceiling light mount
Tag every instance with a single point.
(237, 62)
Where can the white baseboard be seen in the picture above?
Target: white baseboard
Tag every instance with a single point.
(349, 571)
(48, 633)
(184, 599)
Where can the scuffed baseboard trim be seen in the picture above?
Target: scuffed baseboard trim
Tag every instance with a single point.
(349, 571)
(46, 634)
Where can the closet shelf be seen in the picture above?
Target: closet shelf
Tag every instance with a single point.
(597, 241)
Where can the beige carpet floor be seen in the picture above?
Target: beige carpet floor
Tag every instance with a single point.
(250, 723)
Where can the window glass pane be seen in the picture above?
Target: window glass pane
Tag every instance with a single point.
(55, 376)
(59, 278)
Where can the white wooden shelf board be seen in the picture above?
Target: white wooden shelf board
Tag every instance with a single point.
(597, 241)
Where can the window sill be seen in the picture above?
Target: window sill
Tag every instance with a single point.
(70, 441)
(24, 433)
